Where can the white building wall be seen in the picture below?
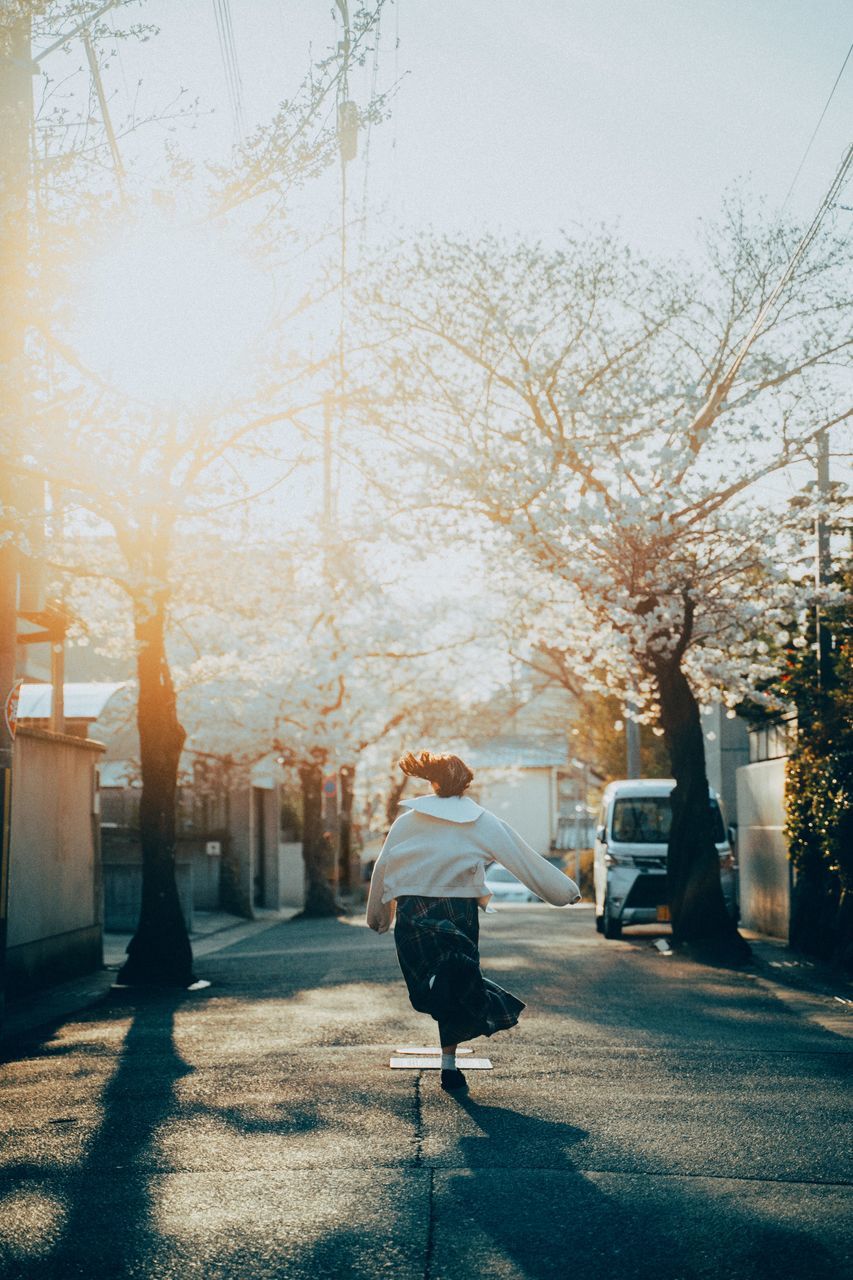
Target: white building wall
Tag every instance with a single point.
(525, 798)
(765, 870)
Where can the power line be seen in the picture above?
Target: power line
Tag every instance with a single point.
(232, 48)
(710, 410)
(817, 126)
(802, 248)
(228, 53)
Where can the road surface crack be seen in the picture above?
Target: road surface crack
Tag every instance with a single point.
(418, 1121)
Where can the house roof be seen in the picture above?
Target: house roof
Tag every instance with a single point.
(518, 753)
(82, 701)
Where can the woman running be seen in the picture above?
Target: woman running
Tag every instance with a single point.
(432, 868)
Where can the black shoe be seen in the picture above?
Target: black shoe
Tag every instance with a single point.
(453, 1080)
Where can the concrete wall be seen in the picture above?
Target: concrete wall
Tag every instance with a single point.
(55, 924)
(250, 858)
(765, 871)
(291, 875)
(243, 875)
(269, 895)
(122, 859)
(206, 872)
(525, 798)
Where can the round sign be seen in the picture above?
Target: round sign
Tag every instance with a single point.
(10, 708)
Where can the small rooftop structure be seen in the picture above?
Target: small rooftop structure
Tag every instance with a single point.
(84, 703)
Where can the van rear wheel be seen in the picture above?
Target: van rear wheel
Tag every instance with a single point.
(612, 925)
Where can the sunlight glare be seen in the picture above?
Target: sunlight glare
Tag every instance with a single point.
(173, 314)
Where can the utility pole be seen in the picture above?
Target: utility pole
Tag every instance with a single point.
(823, 562)
(632, 744)
(16, 99)
(334, 780)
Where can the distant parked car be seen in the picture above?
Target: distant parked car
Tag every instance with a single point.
(630, 854)
(505, 887)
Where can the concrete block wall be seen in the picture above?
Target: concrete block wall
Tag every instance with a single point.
(55, 917)
(765, 870)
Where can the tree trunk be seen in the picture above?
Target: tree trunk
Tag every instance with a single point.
(346, 777)
(814, 906)
(316, 851)
(842, 951)
(696, 900)
(395, 793)
(822, 914)
(160, 950)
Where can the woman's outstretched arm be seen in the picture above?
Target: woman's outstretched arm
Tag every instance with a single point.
(513, 852)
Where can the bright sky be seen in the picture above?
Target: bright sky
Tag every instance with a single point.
(531, 116)
(523, 117)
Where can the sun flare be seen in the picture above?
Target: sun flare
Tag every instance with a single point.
(173, 313)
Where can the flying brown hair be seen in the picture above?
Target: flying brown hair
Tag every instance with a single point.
(448, 774)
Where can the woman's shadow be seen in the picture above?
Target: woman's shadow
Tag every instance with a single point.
(516, 1134)
(517, 1202)
(508, 1196)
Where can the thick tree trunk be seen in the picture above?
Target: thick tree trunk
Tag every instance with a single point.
(696, 900)
(346, 778)
(160, 950)
(316, 850)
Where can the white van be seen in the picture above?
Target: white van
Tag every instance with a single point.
(630, 855)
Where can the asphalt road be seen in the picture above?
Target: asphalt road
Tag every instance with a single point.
(648, 1118)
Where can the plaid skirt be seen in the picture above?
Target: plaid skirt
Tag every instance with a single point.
(438, 937)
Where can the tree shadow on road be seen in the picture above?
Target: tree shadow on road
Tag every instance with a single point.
(145, 1190)
(522, 1207)
(107, 1222)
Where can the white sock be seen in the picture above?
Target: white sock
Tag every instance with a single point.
(431, 981)
(448, 1062)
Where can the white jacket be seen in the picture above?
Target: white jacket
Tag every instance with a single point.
(441, 847)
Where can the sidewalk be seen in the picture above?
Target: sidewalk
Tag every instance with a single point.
(212, 930)
(776, 960)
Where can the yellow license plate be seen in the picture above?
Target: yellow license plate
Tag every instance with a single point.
(663, 914)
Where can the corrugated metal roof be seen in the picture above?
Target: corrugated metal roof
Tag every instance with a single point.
(82, 701)
(518, 753)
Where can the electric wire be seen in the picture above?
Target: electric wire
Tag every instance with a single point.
(225, 53)
(228, 53)
(817, 127)
(238, 79)
(808, 236)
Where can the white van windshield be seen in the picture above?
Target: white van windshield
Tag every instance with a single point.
(647, 819)
(642, 819)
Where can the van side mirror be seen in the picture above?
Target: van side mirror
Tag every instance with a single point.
(599, 834)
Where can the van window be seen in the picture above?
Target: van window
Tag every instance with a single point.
(642, 819)
(647, 820)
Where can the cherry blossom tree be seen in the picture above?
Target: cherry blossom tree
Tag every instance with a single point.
(604, 418)
(153, 468)
(332, 663)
